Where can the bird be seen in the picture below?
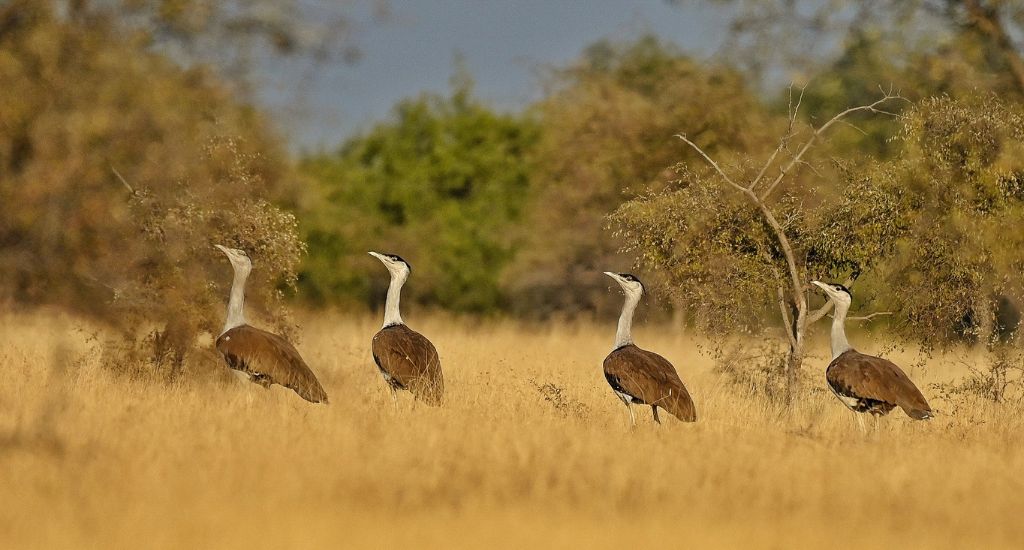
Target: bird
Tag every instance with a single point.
(405, 358)
(638, 376)
(262, 357)
(865, 383)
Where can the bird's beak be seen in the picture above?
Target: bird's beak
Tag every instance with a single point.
(615, 276)
(222, 249)
(375, 255)
(823, 286)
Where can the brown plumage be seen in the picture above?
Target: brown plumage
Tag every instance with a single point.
(866, 383)
(645, 378)
(409, 361)
(269, 359)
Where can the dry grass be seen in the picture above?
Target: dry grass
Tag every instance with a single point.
(92, 459)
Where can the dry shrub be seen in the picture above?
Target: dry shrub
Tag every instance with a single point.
(560, 401)
(120, 173)
(1000, 381)
(755, 368)
(176, 281)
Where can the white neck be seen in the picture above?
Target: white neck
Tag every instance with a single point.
(839, 342)
(236, 317)
(622, 335)
(391, 314)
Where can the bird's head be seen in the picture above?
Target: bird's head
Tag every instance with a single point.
(629, 283)
(836, 292)
(238, 258)
(395, 264)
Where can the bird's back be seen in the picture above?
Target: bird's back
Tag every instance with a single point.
(649, 379)
(869, 377)
(263, 354)
(411, 361)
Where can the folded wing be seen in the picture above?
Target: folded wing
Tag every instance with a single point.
(270, 359)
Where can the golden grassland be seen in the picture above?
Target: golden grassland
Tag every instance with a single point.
(92, 458)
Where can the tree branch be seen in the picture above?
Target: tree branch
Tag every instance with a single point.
(712, 162)
(872, 108)
(785, 316)
(822, 311)
(784, 140)
(870, 316)
(123, 181)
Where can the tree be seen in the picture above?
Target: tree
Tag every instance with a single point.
(739, 239)
(120, 171)
(607, 130)
(442, 185)
(964, 182)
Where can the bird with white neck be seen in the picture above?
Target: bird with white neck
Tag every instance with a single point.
(866, 383)
(405, 358)
(638, 376)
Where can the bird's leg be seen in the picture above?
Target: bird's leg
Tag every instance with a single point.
(655, 409)
(632, 419)
(860, 422)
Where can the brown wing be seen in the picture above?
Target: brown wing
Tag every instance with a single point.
(869, 377)
(411, 361)
(269, 358)
(650, 379)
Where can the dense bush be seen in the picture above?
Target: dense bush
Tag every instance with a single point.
(85, 105)
(443, 185)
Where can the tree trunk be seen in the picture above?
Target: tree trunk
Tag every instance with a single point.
(794, 362)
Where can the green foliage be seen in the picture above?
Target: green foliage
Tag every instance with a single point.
(442, 185)
(962, 173)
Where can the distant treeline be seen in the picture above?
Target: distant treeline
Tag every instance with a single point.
(121, 164)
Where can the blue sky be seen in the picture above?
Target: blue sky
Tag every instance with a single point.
(505, 45)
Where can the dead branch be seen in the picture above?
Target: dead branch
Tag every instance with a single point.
(711, 162)
(124, 181)
(872, 108)
(868, 317)
(784, 140)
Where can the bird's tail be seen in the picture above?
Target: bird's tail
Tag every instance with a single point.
(918, 414)
(314, 393)
(679, 405)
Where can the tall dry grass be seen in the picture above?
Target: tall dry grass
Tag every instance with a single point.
(531, 449)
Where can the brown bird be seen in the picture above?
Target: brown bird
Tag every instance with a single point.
(865, 383)
(639, 376)
(406, 359)
(258, 355)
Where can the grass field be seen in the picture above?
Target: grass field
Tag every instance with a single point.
(91, 459)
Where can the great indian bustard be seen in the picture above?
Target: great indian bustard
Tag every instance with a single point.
(406, 359)
(639, 376)
(865, 383)
(263, 357)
